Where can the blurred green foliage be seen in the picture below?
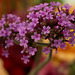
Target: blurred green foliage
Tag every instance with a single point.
(47, 1)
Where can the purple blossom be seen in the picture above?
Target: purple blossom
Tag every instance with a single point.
(35, 21)
(46, 4)
(2, 22)
(41, 6)
(22, 31)
(49, 16)
(31, 9)
(62, 45)
(48, 9)
(25, 58)
(72, 41)
(57, 43)
(36, 37)
(46, 30)
(52, 3)
(71, 17)
(66, 23)
(73, 12)
(11, 17)
(31, 50)
(67, 6)
(72, 34)
(2, 32)
(3, 16)
(31, 26)
(66, 33)
(56, 52)
(42, 13)
(5, 53)
(58, 3)
(13, 26)
(9, 42)
(33, 15)
(57, 27)
(18, 37)
(46, 50)
(23, 42)
(8, 32)
(38, 7)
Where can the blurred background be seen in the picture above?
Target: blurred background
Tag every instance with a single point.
(62, 63)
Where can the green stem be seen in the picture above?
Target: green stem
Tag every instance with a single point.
(39, 67)
(43, 43)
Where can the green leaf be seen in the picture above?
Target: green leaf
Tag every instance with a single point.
(16, 41)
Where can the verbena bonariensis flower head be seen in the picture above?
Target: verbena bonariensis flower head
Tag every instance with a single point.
(43, 23)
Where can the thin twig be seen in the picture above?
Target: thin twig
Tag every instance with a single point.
(43, 43)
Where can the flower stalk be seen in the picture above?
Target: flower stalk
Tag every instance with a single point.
(40, 66)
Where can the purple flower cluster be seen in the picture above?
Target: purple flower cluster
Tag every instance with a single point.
(43, 22)
(25, 58)
(46, 50)
(36, 37)
(5, 53)
(32, 51)
(46, 30)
